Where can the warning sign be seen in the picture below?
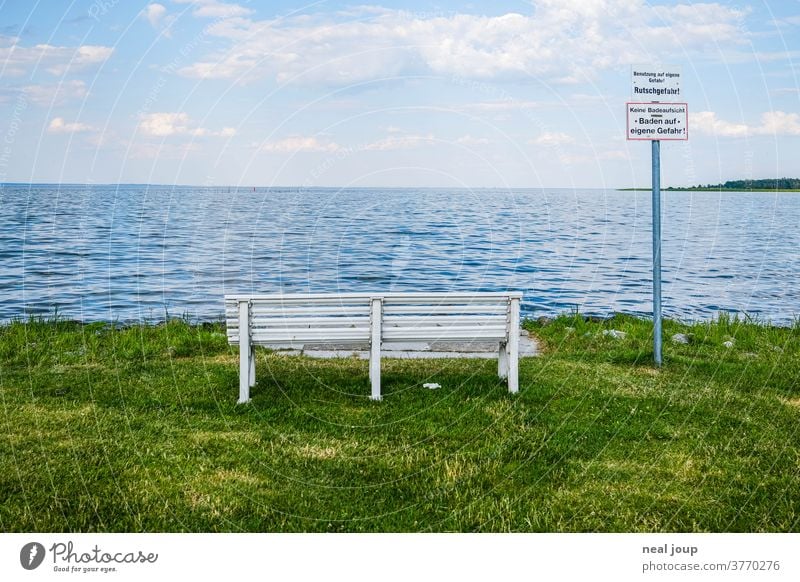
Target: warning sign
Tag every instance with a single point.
(656, 82)
(662, 121)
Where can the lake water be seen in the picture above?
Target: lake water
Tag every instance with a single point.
(132, 253)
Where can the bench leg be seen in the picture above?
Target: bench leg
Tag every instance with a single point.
(252, 366)
(244, 371)
(502, 362)
(376, 313)
(513, 369)
(244, 352)
(375, 373)
(513, 348)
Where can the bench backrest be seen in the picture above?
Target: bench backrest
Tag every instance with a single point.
(345, 318)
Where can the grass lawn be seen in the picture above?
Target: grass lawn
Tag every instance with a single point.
(136, 429)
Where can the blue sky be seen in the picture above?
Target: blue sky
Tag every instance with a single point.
(501, 94)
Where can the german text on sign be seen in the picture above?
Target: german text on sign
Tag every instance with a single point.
(662, 121)
(656, 83)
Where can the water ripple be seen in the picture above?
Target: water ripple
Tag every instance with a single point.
(136, 252)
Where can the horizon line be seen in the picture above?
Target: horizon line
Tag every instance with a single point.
(320, 187)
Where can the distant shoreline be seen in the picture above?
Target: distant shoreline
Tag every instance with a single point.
(397, 188)
(671, 189)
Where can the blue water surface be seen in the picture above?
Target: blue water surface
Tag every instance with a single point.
(142, 253)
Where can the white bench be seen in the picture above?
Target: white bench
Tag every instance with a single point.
(292, 321)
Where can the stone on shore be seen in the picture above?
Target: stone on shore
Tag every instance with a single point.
(615, 333)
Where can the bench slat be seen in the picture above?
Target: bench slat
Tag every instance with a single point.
(308, 321)
(436, 332)
(291, 311)
(442, 301)
(414, 320)
(235, 297)
(443, 309)
(255, 324)
(388, 321)
(311, 334)
(291, 301)
(410, 336)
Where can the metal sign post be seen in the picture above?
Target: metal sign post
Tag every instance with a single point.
(656, 121)
(657, 252)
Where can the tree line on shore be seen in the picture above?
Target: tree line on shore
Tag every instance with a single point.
(761, 184)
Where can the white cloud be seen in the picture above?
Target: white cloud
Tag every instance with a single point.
(296, 144)
(505, 105)
(164, 124)
(20, 60)
(154, 14)
(108, 140)
(468, 140)
(779, 123)
(573, 157)
(177, 124)
(215, 9)
(56, 94)
(400, 142)
(397, 140)
(786, 91)
(561, 41)
(708, 123)
(552, 139)
(57, 125)
(163, 151)
(776, 123)
(47, 95)
(622, 155)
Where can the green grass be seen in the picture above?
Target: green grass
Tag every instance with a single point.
(136, 429)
